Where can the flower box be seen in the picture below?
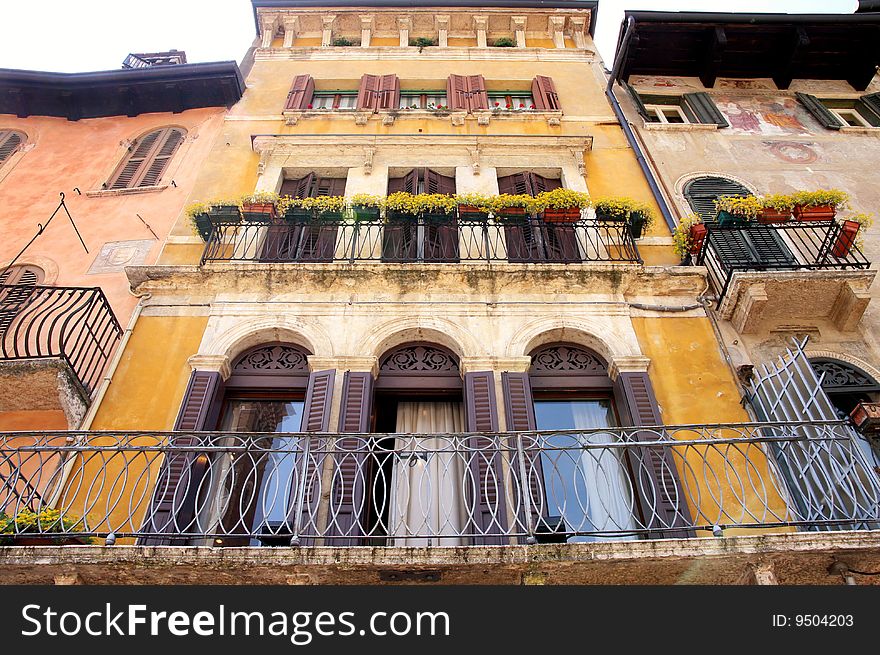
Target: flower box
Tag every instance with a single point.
(471, 213)
(866, 417)
(225, 214)
(438, 217)
(637, 225)
(399, 215)
(258, 212)
(608, 215)
(846, 238)
(769, 216)
(725, 218)
(204, 225)
(567, 215)
(298, 215)
(43, 539)
(366, 213)
(814, 213)
(330, 216)
(698, 233)
(513, 213)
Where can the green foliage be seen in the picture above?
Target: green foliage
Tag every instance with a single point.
(342, 41)
(422, 42)
(681, 236)
(622, 208)
(833, 197)
(504, 42)
(744, 206)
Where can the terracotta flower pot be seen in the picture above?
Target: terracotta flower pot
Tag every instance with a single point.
(567, 215)
(471, 213)
(513, 212)
(258, 211)
(846, 238)
(818, 213)
(769, 215)
(698, 233)
(866, 417)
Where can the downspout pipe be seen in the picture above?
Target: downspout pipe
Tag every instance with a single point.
(628, 131)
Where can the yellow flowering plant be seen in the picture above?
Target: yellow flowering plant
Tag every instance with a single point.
(562, 199)
(747, 207)
(781, 202)
(322, 204)
(501, 203)
(47, 520)
(423, 203)
(367, 200)
(681, 236)
(865, 221)
(259, 198)
(821, 197)
(479, 201)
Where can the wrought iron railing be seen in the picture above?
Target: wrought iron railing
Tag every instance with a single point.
(792, 246)
(75, 324)
(452, 489)
(422, 240)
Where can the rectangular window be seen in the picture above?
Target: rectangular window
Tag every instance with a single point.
(334, 100)
(511, 100)
(666, 114)
(422, 99)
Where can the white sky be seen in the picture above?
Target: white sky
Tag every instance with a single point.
(88, 35)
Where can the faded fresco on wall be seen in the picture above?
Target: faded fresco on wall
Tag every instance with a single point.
(767, 116)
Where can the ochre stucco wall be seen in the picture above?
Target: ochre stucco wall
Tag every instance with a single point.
(33, 420)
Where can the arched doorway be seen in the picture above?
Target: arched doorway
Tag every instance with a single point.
(846, 385)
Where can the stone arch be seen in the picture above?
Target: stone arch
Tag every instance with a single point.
(681, 183)
(846, 358)
(247, 334)
(612, 345)
(413, 329)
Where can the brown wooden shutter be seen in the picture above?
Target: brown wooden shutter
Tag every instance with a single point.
(516, 184)
(173, 507)
(300, 188)
(368, 92)
(316, 415)
(441, 241)
(560, 243)
(348, 499)
(637, 100)
(395, 184)
(389, 92)
(436, 183)
(519, 409)
(400, 241)
(540, 183)
(544, 94)
(477, 96)
(301, 93)
(329, 186)
(522, 239)
(457, 92)
(9, 143)
(661, 493)
(488, 515)
(148, 159)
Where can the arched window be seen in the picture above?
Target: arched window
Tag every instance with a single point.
(147, 160)
(702, 192)
(845, 385)
(16, 287)
(10, 142)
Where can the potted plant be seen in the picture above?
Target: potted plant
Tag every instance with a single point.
(422, 42)
(849, 234)
(367, 207)
(44, 528)
(513, 206)
(820, 205)
(504, 42)
(562, 205)
(688, 236)
(436, 206)
(775, 208)
(641, 217)
(259, 207)
(473, 206)
(200, 219)
(866, 417)
(733, 210)
(342, 42)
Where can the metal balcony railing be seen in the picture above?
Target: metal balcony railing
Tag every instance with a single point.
(75, 324)
(437, 489)
(792, 246)
(421, 240)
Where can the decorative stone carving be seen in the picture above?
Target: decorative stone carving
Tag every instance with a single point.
(475, 159)
(567, 359)
(361, 118)
(369, 153)
(404, 25)
(442, 25)
(578, 155)
(267, 360)
(367, 22)
(267, 28)
(518, 27)
(555, 26)
(458, 118)
(481, 26)
(483, 118)
(415, 359)
(578, 28)
(327, 29)
(388, 119)
(554, 121)
(264, 160)
(291, 27)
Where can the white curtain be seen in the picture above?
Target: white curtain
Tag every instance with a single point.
(609, 493)
(426, 490)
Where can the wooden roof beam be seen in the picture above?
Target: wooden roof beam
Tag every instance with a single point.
(798, 45)
(714, 56)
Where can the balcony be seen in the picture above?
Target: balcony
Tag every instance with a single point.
(54, 345)
(422, 240)
(780, 273)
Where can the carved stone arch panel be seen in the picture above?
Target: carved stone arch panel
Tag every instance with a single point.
(839, 376)
(561, 359)
(272, 359)
(419, 359)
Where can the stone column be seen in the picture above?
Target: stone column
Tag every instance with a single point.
(518, 26)
(481, 26)
(367, 21)
(404, 24)
(267, 27)
(291, 27)
(327, 30)
(442, 25)
(555, 25)
(578, 30)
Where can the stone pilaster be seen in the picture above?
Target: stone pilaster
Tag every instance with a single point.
(442, 25)
(404, 25)
(367, 26)
(555, 26)
(267, 28)
(291, 27)
(481, 27)
(518, 27)
(578, 26)
(327, 29)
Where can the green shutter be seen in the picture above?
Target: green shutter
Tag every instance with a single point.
(702, 192)
(704, 108)
(640, 106)
(769, 248)
(819, 111)
(870, 104)
(731, 247)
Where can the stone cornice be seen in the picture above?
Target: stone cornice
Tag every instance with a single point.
(381, 53)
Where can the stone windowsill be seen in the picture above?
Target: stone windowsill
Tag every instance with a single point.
(850, 129)
(680, 127)
(388, 116)
(108, 193)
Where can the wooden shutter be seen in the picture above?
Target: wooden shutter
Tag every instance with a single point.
(299, 188)
(457, 92)
(10, 141)
(769, 248)
(441, 241)
(539, 183)
(281, 242)
(730, 247)
(389, 92)
(436, 183)
(173, 507)
(329, 186)
(316, 243)
(519, 409)
(660, 491)
(516, 184)
(702, 192)
(348, 498)
(870, 102)
(488, 513)
(704, 108)
(301, 93)
(147, 160)
(523, 241)
(368, 92)
(819, 111)
(544, 94)
(477, 96)
(560, 243)
(20, 282)
(400, 241)
(411, 181)
(637, 101)
(316, 415)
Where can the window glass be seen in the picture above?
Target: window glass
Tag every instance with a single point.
(323, 102)
(348, 101)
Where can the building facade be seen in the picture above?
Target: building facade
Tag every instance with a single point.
(465, 395)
